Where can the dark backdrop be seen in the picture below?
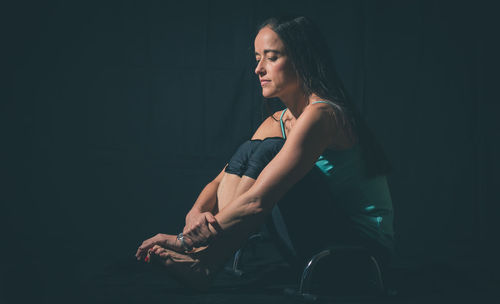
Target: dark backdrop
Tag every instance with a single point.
(115, 114)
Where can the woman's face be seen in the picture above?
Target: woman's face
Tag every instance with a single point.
(274, 68)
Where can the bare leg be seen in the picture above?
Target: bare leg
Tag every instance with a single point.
(245, 184)
(227, 189)
(232, 186)
(197, 269)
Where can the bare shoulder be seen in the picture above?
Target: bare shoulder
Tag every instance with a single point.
(321, 108)
(270, 127)
(321, 113)
(342, 136)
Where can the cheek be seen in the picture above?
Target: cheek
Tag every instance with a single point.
(281, 67)
(281, 72)
(286, 74)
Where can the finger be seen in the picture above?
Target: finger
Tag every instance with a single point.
(160, 251)
(197, 236)
(200, 239)
(142, 250)
(156, 248)
(210, 218)
(139, 250)
(140, 253)
(207, 234)
(201, 232)
(189, 240)
(164, 254)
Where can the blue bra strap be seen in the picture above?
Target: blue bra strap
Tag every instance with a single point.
(283, 113)
(281, 123)
(322, 101)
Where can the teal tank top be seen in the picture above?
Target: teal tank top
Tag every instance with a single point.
(366, 200)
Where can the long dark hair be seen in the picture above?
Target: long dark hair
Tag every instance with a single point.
(313, 63)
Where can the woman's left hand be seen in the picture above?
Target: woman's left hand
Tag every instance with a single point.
(200, 230)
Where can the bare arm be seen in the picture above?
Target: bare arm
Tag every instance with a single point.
(304, 145)
(313, 132)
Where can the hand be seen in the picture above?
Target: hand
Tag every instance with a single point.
(157, 251)
(199, 229)
(164, 240)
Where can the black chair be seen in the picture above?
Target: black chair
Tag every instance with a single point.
(347, 270)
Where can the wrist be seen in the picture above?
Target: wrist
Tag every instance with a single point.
(193, 211)
(215, 229)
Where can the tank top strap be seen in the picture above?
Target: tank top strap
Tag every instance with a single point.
(281, 123)
(283, 113)
(323, 101)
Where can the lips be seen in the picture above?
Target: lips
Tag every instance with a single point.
(264, 81)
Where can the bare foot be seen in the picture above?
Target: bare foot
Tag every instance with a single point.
(185, 267)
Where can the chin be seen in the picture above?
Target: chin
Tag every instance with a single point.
(268, 94)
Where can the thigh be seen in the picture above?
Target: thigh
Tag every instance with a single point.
(238, 163)
(244, 167)
(244, 185)
(236, 166)
(227, 189)
(257, 161)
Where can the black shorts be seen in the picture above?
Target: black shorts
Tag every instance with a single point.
(253, 155)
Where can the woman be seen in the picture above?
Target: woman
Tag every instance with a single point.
(313, 167)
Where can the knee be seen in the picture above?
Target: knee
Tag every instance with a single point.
(239, 161)
(262, 155)
(253, 155)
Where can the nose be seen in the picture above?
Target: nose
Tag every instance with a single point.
(259, 69)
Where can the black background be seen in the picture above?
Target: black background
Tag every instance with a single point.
(114, 115)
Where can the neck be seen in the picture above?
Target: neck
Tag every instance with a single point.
(297, 102)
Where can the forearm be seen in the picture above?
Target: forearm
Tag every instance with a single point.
(247, 208)
(207, 200)
(253, 205)
(246, 213)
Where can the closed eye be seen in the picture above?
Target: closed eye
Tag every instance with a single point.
(269, 58)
